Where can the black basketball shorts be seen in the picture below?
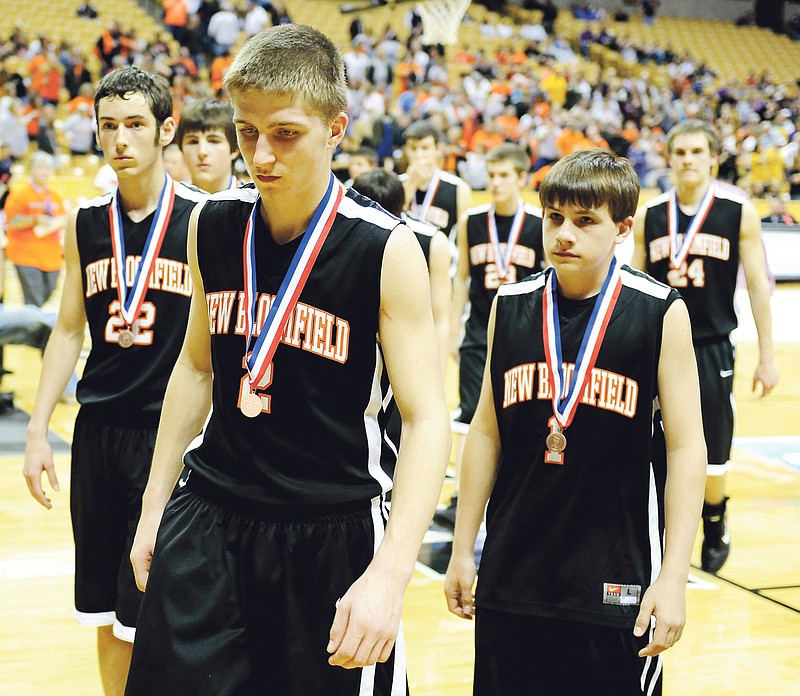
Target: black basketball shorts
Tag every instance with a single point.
(471, 362)
(538, 656)
(715, 369)
(110, 466)
(243, 603)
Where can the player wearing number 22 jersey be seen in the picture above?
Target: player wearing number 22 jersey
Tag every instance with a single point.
(127, 386)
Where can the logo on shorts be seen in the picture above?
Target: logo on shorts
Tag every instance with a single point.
(725, 373)
(621, 595)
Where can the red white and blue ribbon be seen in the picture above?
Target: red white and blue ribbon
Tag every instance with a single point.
(565, 401)
(259, 358)
(131, 302)
(503, 260)
(233, 183)
(421, 211)
(678, 253)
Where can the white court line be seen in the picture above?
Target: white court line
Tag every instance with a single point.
(48, 564)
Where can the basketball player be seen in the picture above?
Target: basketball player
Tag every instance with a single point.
(576, 592)
(384, 187)
(432, 195)
(693, 238)
(127, 277)
(499, 242)
(207, 138)
(274, 567)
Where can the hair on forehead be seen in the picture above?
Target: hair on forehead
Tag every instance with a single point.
(694, 126)
(206, 115)
(294, 60)
(508, 152)
(123, 83)
(592, 179)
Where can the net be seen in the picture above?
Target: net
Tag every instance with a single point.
(441, 20)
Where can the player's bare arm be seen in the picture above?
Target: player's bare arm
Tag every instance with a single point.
(441, 293)
(679, 396)
(751, 252)
(368, 616)
(186, 405)
(60, 357)
(478, 472)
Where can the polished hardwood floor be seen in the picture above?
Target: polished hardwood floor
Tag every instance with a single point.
(743, 632)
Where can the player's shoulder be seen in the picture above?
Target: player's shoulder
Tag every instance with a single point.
(531, 209)
(450, 178)
(643, 283)
(656, 201)
(729, 192)
(526, 286)
(356, 207)
(419, 226)
(100, 201)
(190, 193)
(481, 209)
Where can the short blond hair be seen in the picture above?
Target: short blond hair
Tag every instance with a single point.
(292, 59)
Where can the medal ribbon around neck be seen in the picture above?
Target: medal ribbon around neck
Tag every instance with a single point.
(677, 255)
(233, 183)
(131, 303)
(283, 304)
(433, 186)
(564, 408)
(503, 261)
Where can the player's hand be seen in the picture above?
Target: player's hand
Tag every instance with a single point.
(418, 175)
(458, 586)
(142, 549)
(666, 603)
(367, 620)
(766, 375)
(38, 459)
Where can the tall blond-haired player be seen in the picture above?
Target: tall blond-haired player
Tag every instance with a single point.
(694, 237)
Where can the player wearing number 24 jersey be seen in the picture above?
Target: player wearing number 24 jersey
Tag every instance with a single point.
(694, 237)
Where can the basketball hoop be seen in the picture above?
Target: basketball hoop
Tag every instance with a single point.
(441, 20)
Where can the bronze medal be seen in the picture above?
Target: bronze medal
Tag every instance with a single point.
(556, 441)
(250, 405)
(125, 338)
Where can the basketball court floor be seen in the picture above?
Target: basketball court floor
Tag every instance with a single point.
(743, 632)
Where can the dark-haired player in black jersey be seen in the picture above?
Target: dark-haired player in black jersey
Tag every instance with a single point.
(694, 237)
(432, 195)
(385, 188)
(127, 277)
(499, 242)
(207, 138)
(276, 567)
(582, 579)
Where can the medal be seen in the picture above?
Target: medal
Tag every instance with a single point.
(421, 211)
(566, 397)
(556, 441)
(678, 254)
(250, 404)
(130, 303)
(125, 338)
(503, 261)
(259, 359)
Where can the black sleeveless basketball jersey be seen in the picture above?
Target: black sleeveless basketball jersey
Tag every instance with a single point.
(125, 386)
(484, 276)
(443, 210)
(707, 279)
(578, 540)
(320, 441)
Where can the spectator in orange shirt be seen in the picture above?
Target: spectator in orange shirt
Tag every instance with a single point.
(36, 218)
(176, 15)
(219, 66)
(488, 135)
(46, 76)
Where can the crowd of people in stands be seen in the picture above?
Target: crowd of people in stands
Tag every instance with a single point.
(546, 97)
